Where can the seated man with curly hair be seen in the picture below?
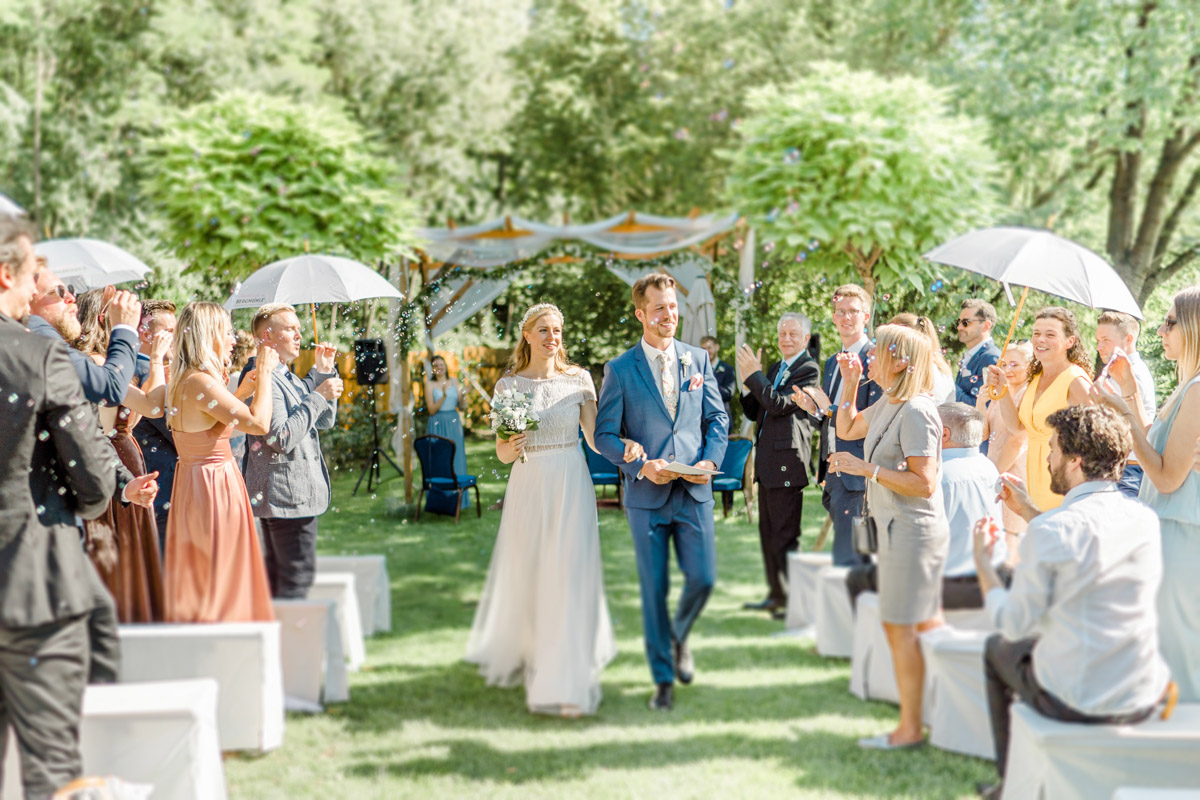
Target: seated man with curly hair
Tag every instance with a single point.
(1078, 630)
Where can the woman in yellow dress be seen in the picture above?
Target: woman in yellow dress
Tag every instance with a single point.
(1058, 377)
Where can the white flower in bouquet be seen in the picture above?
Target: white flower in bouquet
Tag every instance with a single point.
(512, 415)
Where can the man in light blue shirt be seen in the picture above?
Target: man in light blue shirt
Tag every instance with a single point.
(1117, 331)
(1078, 630)
(969, 493)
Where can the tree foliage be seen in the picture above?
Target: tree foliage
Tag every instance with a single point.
(246, 179)
(847, 169)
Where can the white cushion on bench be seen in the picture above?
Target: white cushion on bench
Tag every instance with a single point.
(956, 707)
(1073, 761)
(372, 585)
(314, 669)
(340, 587)
(244, 659)
(834, 618)
(803, 569)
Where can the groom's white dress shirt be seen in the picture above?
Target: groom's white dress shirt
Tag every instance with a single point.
(1086, 584)
(657, 366)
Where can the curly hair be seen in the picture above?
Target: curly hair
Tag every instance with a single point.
(1097, 435)
(1077, 355)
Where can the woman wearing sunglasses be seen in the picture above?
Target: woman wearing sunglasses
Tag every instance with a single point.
(1171, 487)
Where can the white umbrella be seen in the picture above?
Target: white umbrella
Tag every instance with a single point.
(10, 209)
(90, 263)
(700, 314)
(311, 279)
(1038, 259)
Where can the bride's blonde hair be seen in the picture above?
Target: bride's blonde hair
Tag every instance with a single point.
(200, 345)
(522, 353)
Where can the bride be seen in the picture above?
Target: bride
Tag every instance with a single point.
(543, 618)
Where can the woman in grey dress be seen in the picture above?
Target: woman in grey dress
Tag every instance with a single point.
(903, 461)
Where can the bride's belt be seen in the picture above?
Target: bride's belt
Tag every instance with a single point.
(546, 448)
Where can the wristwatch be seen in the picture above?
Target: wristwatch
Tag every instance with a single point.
(832, 410)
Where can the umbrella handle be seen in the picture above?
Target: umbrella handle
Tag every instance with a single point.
(993, 392)
(313, 308)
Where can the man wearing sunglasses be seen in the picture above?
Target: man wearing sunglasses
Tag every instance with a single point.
(54, 314)
(976, 319)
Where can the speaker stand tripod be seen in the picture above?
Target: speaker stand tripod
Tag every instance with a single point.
(371, 467)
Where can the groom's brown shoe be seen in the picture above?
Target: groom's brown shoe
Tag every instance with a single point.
(664, 697)
(685, 667)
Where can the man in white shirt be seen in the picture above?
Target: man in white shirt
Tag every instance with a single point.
(1115, 330)
(1078, 630)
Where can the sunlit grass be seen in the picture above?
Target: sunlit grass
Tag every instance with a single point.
(766, 716)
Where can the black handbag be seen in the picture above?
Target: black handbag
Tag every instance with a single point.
(864, 534)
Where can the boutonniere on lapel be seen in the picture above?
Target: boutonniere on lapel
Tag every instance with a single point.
(697, 380)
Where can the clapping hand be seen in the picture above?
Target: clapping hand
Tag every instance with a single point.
(324, 355)
(851, 368)
(811, 398)
(266, 360)
(142, 490)
(160, 345)
(1011, 491)
(984, 539)
(748, 362)
(1099, 394)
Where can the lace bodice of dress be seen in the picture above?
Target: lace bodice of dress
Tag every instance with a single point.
(557, 402)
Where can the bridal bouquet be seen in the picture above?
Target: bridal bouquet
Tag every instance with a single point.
(512, 414)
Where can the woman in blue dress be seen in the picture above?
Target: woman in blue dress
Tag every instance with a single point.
(442, 399)
(1171, 487)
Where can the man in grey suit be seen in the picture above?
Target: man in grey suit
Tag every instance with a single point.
(53, 467)
(286, 475)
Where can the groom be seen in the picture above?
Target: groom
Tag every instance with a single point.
(662, 394)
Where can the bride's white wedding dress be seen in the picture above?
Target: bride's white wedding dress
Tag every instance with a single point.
(543, 618)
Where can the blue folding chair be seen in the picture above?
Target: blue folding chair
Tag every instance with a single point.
(604, 472)
(437, 476)
(736, 475)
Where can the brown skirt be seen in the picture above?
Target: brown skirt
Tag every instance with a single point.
(123, 545)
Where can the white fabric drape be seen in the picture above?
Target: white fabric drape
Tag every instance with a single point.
(700, 315)
(468, 246)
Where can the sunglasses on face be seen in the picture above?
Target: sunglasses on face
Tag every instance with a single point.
(60, 290)
(964, 323)
(1169, 323)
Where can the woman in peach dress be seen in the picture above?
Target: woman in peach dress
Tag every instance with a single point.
(214, 564)
(1007, 449)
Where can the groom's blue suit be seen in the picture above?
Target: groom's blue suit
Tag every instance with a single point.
(631, 406)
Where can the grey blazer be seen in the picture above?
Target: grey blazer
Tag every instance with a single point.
(55, 464)
(286, 476)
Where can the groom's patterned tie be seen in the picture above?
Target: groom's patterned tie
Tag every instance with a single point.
(667, 381)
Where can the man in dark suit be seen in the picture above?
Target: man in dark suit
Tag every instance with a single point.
(53, 467)
(844, 494)
(783, 451)
(721, 371)
(976, 319)
(153, 435)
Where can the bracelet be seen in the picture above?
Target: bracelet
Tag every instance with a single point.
(875, 475)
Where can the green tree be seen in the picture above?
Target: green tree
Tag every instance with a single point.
(1094, 108)
(856, 175)
(246, 179)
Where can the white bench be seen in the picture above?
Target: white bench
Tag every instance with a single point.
(340, 587)
(314, 668)
(244, 659)
(158, 734)
(956, 707)
(1069, 761)
(872, 676)
(803, 569)
(833, 616)
(372, 585)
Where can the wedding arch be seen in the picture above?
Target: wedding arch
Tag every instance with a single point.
(465, 268)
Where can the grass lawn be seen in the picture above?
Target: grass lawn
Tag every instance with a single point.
(766, 716)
